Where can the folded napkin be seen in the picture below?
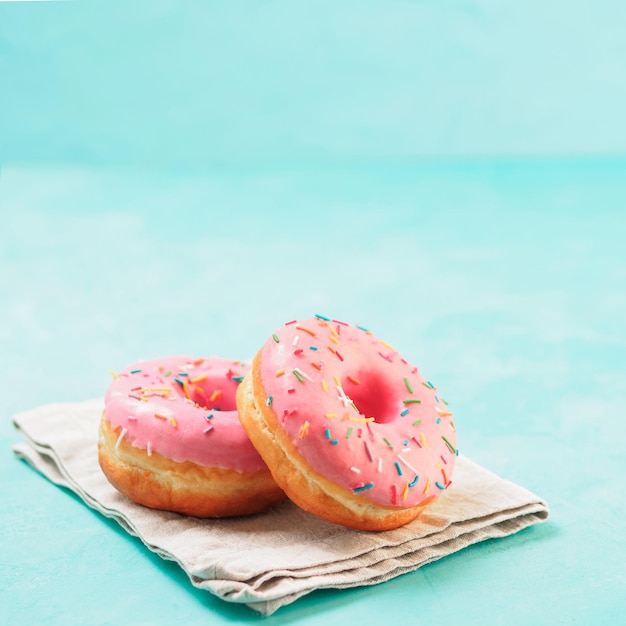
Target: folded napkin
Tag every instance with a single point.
(269, 560)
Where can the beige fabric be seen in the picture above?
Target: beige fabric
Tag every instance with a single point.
(271, 559)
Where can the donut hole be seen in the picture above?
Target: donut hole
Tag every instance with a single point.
(214, 394)
(372, 395)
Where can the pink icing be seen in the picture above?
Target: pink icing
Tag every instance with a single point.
(183, 409)
(403, 456)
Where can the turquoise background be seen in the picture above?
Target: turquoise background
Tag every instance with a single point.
(185, 177)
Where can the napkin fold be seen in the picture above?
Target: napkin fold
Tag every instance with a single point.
(269, 560)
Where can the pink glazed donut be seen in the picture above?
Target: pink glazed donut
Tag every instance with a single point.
(350, 430)
(170, 439)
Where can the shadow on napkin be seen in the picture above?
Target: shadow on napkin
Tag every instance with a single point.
(269, 560)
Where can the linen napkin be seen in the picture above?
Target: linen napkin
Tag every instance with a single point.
(269, 560)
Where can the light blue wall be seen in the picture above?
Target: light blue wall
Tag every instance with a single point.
(194, 84)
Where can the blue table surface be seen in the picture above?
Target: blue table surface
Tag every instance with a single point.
(185, 177)
(505, 281)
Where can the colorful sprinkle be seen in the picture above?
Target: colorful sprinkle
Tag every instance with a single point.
(405, 493)
(208, 429)
(215, 395)
(398, 468)
(119, 439)
(363, 488)
(414, 481)
(411, 401)
(408, 385)
(354, 380)
(173, 422)
(349, 432)
(279, 373)
(450, 446)
(439, 485)
(275, 338)
(304, 429)
(306, 330)
(135, 371)
(388, 443)
(269, 400)
(159, 416)
(297, 374)
(427, 487)
(303, 374)
(322, 317)
(403, 413)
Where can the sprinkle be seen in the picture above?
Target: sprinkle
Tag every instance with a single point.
(306, 330)
(438, 420)
(295, 340)
(363, 329)
(313, 348)
(388, 443)
(380, 465)
(331, 416)
(132, 418)
(363, 488)
(149, 448)
(411, 401)
(408, 385)
(443, 413)
(362, 419)
(398, 468)
(115, 376)
(339, 355)
(349, 432)
(208, 429)
(161, 417)
(427, 487)
(443, 458)
(416, 423)
(173, 422)
(423, 438)
(279, 373)
(384, 343)
(414, 481)
(405, 493)
(334, 339)
(296, 373)
(324, 386)
(400, 458)
(327, 433)
(452, 448)
(292, 390)
(316, 366)
(168, 373)
(269, 401)
(394, 494)
(334, 441)
(197, 379)
(356, 470)
(439, 485)
(356, 381)
(275, 338)
(403, 413)
(368, 452)
(304, 429)
(292, 322)
(183, 374)
(209, 416)
(179, 381)
(237, 379)
(135, 371)
(303, 374)
(322, 317)
(333, 331)
(215, 395)
(119, 439)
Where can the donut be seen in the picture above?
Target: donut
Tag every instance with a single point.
(350, 430)
(170, 439)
